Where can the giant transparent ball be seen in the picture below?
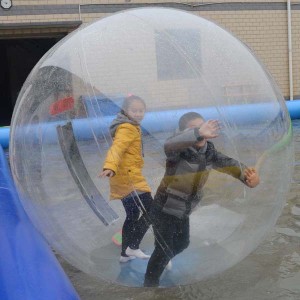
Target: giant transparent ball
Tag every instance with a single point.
(177, 62)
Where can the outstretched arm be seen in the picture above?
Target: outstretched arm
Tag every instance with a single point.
(190, 136)
(125, 135)
(249, 176)
(225, 164)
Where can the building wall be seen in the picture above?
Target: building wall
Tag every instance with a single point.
(262, 25)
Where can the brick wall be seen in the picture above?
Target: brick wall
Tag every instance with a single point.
(262, 25)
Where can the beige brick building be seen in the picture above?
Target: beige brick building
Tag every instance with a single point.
(29, 28)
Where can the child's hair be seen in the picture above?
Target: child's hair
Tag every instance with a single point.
(128, 100)
(184, 119)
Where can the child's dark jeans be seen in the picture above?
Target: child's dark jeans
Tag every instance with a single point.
(172, 236)
(136, 223)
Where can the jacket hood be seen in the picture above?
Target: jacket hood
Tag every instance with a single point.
(120, 119)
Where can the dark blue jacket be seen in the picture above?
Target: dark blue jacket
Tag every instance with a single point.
(187, 170)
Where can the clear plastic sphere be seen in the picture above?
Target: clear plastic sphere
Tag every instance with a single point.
(177, 62)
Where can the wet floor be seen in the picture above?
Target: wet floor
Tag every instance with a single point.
(271, 272)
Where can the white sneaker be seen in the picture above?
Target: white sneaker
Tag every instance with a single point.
(169, 266)
(124, 259)
(137, 253)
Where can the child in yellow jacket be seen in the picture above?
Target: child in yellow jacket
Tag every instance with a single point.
(123, 165)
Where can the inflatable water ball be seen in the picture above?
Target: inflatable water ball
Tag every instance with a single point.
(176, 62)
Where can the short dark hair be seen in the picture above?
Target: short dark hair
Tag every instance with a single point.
(184, 119)
(128, 100)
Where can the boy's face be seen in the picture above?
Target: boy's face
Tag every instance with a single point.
(197, 123)
(136, 111)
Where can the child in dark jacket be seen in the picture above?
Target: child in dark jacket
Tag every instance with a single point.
(189, 157)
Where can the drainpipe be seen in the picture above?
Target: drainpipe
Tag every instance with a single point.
(79, 11)
(290, 49)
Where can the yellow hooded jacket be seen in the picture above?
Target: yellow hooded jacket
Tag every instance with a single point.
(125, 158)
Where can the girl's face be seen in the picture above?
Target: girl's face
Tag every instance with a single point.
(136, 110)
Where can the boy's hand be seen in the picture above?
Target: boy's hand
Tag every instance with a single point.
(209, 129)
(107, 173)
(251, 177)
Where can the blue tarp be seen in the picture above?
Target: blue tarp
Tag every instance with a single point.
(28, 267)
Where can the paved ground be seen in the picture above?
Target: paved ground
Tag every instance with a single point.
(271, 272)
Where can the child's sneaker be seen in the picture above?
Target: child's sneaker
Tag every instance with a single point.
(169, 266)
(124, 259)
(137, 253)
